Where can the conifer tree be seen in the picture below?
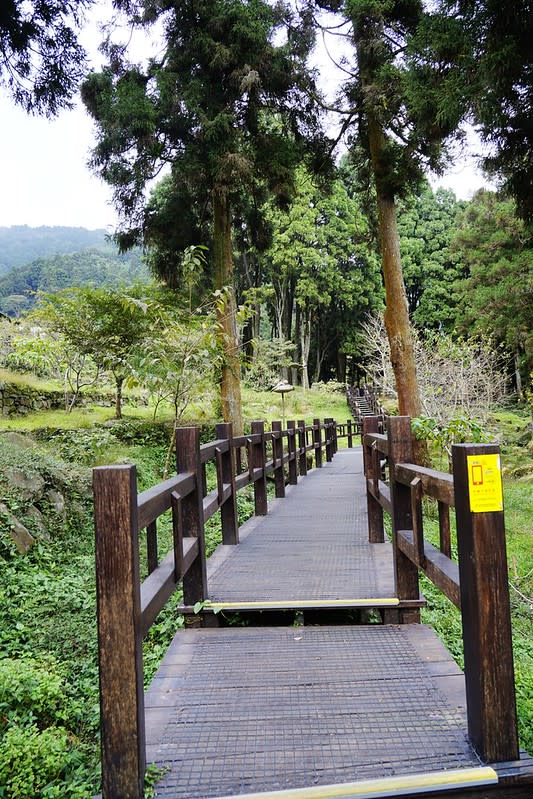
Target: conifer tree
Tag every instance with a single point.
(224, 108)
(399, 115)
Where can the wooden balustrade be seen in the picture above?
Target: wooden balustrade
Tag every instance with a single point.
(127, 608)
(477, 584)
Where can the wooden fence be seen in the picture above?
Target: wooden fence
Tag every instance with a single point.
(477, 583)
(126, 608)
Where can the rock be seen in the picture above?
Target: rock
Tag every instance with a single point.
(30, 487)
(57, 502)
(20, 535)
(18, 440)
(36, 523)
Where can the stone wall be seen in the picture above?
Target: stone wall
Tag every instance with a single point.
(17, 399)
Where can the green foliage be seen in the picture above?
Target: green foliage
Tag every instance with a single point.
(178, 354)
(320, 260)
(457, 430)
(41, 60)
(495, 296)
(105, 324)
(269, 357)
(40, 355)
(94, 267)
(426, 224)
(30, 693)
(40, 764)
(495, 54)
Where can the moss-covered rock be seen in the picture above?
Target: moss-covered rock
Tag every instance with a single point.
(40, 495)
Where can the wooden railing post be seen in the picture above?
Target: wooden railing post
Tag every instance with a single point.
(350, 433)
(258, 462)
(188, 460)
(329, 439)
(376, 532)
(228, 510)
(335, 437)
(317, 440)
(485, 604)
(302, 442)
(277, 452)
(406, 572)
(119, 637)
(293, 466)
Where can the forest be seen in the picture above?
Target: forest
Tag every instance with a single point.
(266, 231)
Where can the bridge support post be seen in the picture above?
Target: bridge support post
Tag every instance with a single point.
(406, 572)
(317, 440)
(258, 462)
(328, 432)
(293, 466)
(485, 604)
(350, 433)
(188, 460)
(228, 509)
(376, 532)
(119, 637)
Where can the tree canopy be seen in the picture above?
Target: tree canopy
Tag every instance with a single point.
(225, 109)
(41, 59)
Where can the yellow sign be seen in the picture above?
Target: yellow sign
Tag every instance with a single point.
(485, 483)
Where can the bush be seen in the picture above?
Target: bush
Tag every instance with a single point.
(331, 387)
(30, 692)
(39, 764)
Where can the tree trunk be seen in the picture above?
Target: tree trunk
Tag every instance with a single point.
(396, 310)
(305, 345)
(518, 376)
(341, 366)
(396, 313)
(118, 397)
(230, 380)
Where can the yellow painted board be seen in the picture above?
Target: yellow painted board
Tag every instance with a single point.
(377, 602)
(485, 483)
(387, 786)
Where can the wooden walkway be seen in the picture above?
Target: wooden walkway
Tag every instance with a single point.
(311, 550)
(235, 711)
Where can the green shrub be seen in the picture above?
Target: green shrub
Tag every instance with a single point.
(39, 764)
(30, 692)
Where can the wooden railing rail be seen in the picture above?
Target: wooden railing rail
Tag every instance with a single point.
(127, 608)
(477, 584)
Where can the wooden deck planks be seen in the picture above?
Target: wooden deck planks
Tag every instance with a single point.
(313, 545)
(237, 710)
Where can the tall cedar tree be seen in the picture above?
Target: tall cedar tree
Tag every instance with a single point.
(496, 62)
(224, 107)
(41, 60)
(401, 116)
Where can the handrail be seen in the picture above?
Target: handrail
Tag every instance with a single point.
(127, 608)
(477, 584)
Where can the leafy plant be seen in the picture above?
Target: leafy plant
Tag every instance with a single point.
(458, 430)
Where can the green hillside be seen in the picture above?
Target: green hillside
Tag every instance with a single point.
(21, 244)
(96, 267)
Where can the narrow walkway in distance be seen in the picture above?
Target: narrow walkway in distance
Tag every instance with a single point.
(238, 710)
(312, 548)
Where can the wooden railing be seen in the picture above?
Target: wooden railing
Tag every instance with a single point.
(477, 584)
(127, 608)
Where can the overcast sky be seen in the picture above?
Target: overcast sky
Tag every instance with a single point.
(44, 178)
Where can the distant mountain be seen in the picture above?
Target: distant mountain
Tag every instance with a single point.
(89, 267)
(20, 244)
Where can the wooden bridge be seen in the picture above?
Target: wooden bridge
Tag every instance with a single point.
(330, 686)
